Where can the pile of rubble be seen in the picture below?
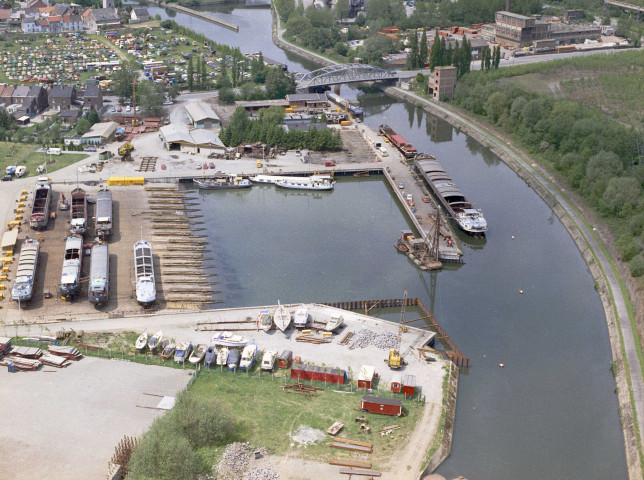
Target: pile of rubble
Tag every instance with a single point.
(236, 461)
(365, 337)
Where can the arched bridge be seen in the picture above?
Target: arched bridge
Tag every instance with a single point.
(345, 73)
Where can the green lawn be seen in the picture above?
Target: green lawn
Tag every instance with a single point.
(270, 415)
(25, 154)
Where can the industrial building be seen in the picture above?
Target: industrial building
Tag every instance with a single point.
(100, 133)
(179, 137)
(201, 115)
(520, 31)
(442, 83)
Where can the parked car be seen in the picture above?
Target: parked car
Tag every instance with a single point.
(198, 167)
(119, 109)
(212, 165)
(329, 163)
(7, 178)
(128, 109)
(168, 102)
(137, 109)
(163, 167)
(89, 149)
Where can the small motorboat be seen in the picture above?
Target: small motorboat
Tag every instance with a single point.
(155, 341)
(182, 352)
(198, 354)
(141, 342)
(227, 339)
(281, 317)
(222, 355)
(334, 323)
(233, 359)
(248, 357)
(168, 350)
(268, 360)
(211, 356)
(265, 320)
(301, 318)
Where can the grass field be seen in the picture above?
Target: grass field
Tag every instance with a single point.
(270, 415)
(26, 154)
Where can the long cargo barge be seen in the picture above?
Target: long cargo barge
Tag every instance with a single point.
(23, 286)
(355, 110)
(99, 274)
(104, 213)
(466, 217)
(398, 141)
(42, 199)
(69, 287)
(78, 223)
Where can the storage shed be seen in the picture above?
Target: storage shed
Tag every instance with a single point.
(409, 385)
(285, 359)
(396, 383)
(366, 376)
(383, 406)
(319, 374)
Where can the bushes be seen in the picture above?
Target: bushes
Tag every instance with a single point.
(168, 450)
(637, 266)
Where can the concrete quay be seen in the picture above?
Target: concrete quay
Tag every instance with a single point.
(202, 15)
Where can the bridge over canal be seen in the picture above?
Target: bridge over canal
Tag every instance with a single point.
(348, 73)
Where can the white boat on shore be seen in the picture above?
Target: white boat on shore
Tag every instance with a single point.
(141, 342)
(146, 292)
(227, 339)
(265, 320)
(301, 318)
(268, 360)
(314, 182)
(334, 323)
(281, 317)
(198, 354)
(222, 355)
(248, 357)
(155, 341)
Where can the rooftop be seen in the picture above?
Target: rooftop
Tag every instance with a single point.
(199, 111)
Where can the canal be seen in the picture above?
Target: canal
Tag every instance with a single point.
(552, 410)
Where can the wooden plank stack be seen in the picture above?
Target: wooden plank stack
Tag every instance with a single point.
(70, 353)
(5, 346)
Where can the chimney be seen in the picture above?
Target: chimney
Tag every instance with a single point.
(507, 5)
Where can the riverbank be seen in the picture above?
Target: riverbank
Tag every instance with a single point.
(626, 364)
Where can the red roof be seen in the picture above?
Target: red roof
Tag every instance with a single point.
(5, 13)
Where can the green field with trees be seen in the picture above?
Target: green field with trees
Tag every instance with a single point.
(582, 134)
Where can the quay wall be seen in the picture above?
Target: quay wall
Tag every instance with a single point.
(202, 15)
(629, 431)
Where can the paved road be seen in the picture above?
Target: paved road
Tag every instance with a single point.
(630, 350)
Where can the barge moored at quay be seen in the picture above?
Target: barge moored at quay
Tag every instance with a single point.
(468, 219)
(398, 141)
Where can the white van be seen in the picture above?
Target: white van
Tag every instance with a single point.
(383, 152)
(53, 151)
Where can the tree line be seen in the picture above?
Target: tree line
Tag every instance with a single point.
(268, 128)
(598, 157)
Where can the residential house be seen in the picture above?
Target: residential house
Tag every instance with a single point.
(95, 19)
(139, 14)
(40, 94)
(52, 24)
(5, 14)
(37, 3)
(70, 116)
(93, 99)
(19, 94)
(62, 97)
(55, 11)
(6, 95)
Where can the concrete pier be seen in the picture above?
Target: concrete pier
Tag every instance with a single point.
(202, 15)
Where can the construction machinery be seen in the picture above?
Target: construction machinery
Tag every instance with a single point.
(395, 360)
(125, 151)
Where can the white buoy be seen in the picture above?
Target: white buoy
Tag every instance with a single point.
(501, 365)
(521, 292)
(512, 237)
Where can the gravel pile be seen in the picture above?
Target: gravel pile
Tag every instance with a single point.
(260, 474)
(365, 337)
(236, 460)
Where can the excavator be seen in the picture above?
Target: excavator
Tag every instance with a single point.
(125, 151)
(395, 360)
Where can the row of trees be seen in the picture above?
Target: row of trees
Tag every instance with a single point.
(443, 54)
(268, 129)
(596, 155)
(418, 53)
(491, 58)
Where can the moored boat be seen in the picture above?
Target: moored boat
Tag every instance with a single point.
(99, 274)
(248, 357)
(198, 353)
(301, 318)
(468, 219)
(155, 341)
(281, 317)
(70, 278)
(39, 217)
(78, 222)
(141, 342)
(406, 148)
(23, 286)
(265, 320)
(314, 182)
(146, 292)
(221, 183)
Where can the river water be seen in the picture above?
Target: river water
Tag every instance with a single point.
(551, 412)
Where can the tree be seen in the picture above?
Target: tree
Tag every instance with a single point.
(412, 56)
(434, 55)
(227, 95)
(495, 106)
(637, 266)
(603, 166)
(92, 116)
(423, 52)
(488, 58)
(342, 9)
(375, 47)
(621, 195)
(204, 421)
(190, 73)
(83, 126)
(497, 56)
(173, 91)
(626, 247)
(150, 97)
(204, 74)
(258, 69)
(124, 82)
(278, 83)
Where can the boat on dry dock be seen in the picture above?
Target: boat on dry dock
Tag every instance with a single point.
(146, 292)
(168, 350)
(301, 318)
(468, 219)
(42, 200)
(265, 320)
(99, 274)
(104, 213)
(70, 278)
(141, 342)
(155, 341)
(227, 339)
(281, 317)
(23, 286)
(335, 322)
(78, 222)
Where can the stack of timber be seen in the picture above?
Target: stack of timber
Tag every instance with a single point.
(313, 340)
(353, 445)
(301, 389)
(5, 346)
(361, 473)
(349, 463)
(54, 361)
(180, 249)
(21, 363)
(26, 352)
(70, 353)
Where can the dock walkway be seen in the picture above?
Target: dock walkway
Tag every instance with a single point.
(202, 15)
